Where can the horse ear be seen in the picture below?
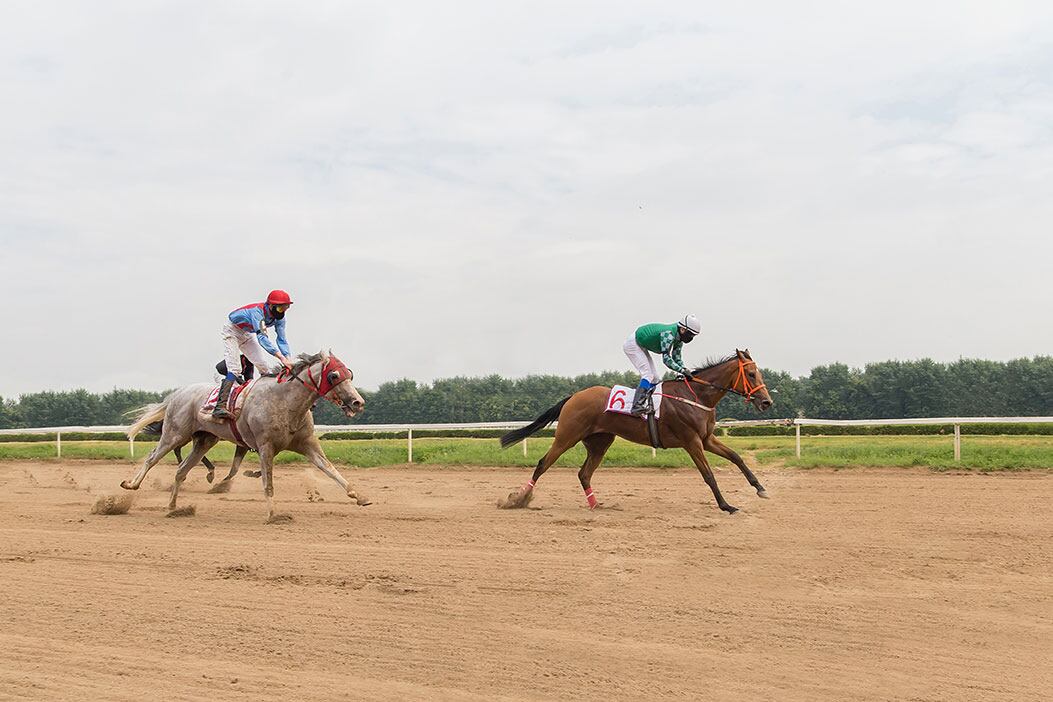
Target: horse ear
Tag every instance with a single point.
(738, 353)
(325, 355)
(747, 352)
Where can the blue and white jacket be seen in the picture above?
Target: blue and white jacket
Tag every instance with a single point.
(254, 318)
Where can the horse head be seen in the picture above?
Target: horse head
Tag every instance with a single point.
(750, 383)
(328, 376)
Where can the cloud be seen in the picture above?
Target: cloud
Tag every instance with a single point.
(512, 188)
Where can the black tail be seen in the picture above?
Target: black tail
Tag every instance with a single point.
(550, 415)
(154, 428)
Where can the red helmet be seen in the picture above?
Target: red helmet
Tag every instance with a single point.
(278, 297)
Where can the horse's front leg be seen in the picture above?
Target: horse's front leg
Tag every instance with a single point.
(314, 453)
(694, 449)
(713, 445)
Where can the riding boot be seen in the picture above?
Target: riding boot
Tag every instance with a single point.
(221, 411)
(642, 401)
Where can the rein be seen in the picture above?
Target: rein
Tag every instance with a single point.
(747, 391)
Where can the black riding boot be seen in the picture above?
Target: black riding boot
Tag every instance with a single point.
(221, 412)
(642, 401)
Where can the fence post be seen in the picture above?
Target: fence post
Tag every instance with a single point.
(131, 447)
(654, 452)
(409, 446)
(58, 444)
(798, 438)
(524, 448)
(957, 443)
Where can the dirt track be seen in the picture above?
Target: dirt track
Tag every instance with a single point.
(861, 584)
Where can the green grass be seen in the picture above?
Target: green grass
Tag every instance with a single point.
(978, 452)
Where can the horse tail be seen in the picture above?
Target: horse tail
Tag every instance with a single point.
(550, 415)
(144, 416)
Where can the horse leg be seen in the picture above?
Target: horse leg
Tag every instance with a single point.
(211, 467)
(239, 455)
(713, 445)
(561, 444)
(166, 444)
(314, 453)
(596, 445)
(267, 454)
(202, 443)
(241, 450)
(223, 486)
(695, 450)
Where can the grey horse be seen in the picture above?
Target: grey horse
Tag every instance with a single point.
(276, 417)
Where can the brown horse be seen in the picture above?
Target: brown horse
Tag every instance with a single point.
(687, 421)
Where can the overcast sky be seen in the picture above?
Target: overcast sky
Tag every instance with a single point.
(497, 187)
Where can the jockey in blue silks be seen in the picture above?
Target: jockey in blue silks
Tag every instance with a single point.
(245, 333)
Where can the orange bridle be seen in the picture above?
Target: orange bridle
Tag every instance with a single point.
(747, 391)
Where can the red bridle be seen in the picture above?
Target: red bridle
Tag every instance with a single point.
(321, 385)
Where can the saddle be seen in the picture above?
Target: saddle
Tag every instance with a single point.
(620, 401)
(234, 403)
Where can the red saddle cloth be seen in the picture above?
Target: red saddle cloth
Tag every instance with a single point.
(234, 402)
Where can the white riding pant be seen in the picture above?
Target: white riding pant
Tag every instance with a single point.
(236, 342)
(642, 360)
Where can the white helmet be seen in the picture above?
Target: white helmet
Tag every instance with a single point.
(690, 323)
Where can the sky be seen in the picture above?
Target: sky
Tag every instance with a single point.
(469, 188)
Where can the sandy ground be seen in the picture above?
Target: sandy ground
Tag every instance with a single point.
(850, 585)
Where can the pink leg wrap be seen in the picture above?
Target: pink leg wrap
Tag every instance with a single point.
(529, 486)
(591, 497)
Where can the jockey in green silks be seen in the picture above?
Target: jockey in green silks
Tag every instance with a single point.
(665, 339)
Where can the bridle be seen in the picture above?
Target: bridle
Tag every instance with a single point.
(747, 391)
(321, 386)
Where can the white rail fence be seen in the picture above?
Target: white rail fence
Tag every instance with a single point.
(956, 422)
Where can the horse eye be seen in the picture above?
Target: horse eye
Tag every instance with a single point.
(333, 375)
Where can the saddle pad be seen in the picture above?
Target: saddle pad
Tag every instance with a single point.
(620, 400)
(234, 402)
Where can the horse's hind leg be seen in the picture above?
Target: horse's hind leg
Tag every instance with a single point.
(596, 445)
(202, 444)
(223, 486)
(167, 443)
(239, 456)
(564, 440)
(713, 445)
(211, 467)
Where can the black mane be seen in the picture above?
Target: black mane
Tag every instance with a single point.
(713, 363)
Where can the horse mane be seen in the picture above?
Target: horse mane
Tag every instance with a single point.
(304, 360)
(711, 363)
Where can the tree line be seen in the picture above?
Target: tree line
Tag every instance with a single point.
(888, 389)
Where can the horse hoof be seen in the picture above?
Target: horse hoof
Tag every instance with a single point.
(363, 501)
(128, 486)
(729, 509)
(761, 493)
(210, 476)
(252, 474)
